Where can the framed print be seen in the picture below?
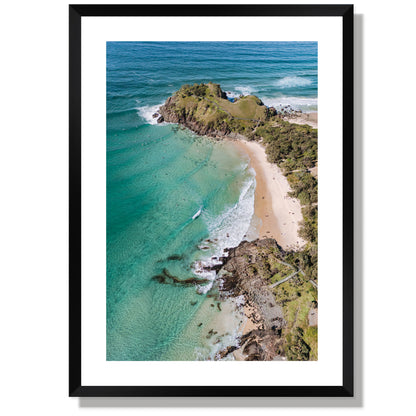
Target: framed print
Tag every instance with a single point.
(198, 256)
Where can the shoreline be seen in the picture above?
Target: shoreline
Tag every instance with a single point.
(279, 214)
(260, 331)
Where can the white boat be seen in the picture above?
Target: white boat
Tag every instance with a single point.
(197, 214)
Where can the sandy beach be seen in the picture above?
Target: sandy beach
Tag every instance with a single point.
(279, 214)
(305, 118)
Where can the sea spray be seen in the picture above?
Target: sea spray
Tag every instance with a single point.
(147, 111)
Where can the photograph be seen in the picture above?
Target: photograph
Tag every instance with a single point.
(212, 200)
(163, 250)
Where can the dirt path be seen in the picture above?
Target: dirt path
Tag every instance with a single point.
(283, 280)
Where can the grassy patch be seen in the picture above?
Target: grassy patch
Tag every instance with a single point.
(296, 297)
(311, 338)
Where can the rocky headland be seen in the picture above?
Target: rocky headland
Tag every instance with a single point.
(254, 271)
(246, 272)
(278, 285)
(205, 110)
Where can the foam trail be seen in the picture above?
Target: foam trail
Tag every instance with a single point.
(291, 82)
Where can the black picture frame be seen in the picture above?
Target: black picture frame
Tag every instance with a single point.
(76, 12)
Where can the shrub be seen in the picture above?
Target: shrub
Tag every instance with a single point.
(297, 349)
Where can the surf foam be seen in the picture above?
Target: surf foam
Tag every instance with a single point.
(225, 231)
(299, 103)
(239, 90)
(147, 111)
(291, 82)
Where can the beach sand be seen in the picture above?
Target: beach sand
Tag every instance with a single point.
(246, 327)
(305, 118)
(279, 214)
(251, 323)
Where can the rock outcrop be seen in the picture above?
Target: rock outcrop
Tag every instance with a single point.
(245, 272)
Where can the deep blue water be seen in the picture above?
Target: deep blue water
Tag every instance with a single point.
(160, 176)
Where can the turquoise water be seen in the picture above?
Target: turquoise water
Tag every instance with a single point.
(160, 176)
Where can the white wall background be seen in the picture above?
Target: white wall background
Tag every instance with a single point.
(33, 222)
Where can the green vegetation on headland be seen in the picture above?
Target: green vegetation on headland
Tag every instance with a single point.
(205, 109)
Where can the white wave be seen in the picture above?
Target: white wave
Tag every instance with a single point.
(245, 90)
(303, 103)
(147, 112)
(232, 94)
(290, 82)
(225, 231)
(239, 90)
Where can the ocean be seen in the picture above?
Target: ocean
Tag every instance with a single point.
(176, 200)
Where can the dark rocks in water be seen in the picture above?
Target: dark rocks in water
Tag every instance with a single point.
(214, 267)
(167, 278)
(211, 333)
(154, 115)
(219, 306)
(226, 351)
(161, 119)
(199, 325)
(204, 248)
(175, 257)
(159, 278)
(194, 303)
